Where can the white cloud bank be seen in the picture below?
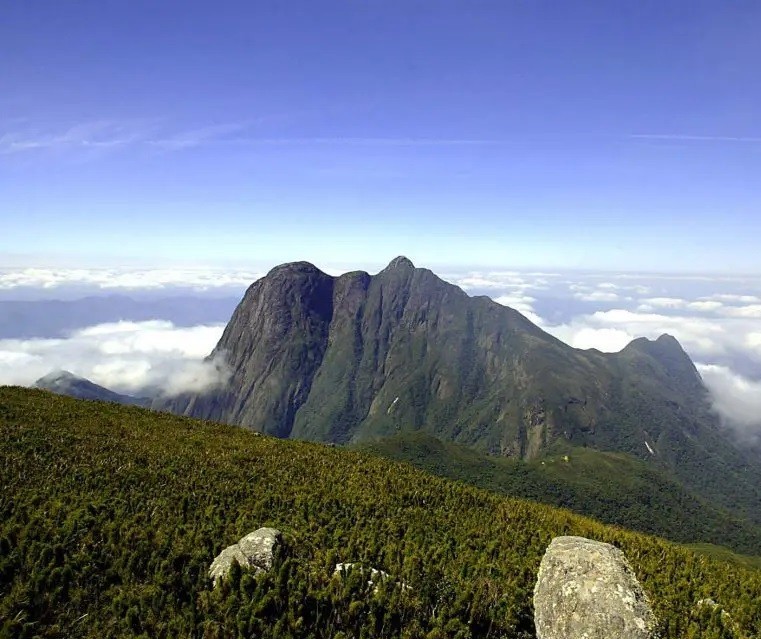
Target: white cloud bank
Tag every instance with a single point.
(127, 357)
(736, 399)
(611, 330)
(126, 279)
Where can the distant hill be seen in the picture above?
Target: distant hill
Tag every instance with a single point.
(111, 515)
(66, 383)
(359, 357)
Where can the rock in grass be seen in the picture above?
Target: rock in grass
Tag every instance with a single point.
(256, 550)
(587, 590)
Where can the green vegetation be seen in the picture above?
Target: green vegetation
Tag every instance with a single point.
(111, 515)
(720, 552)
(614, 488)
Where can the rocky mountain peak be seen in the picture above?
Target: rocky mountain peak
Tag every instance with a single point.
(359, 357)
(65, 383)
(292, 269)
(57, 377)
(400, 264)
(668, 352)
(664, 344)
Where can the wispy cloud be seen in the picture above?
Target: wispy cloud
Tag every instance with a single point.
(681, 137)
(214, 133)
(115, 135)
(367, 141)
(101, 134)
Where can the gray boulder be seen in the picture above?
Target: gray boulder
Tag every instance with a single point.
(587, 590)
(256, 550)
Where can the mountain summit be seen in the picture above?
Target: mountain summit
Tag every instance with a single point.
(400, 263)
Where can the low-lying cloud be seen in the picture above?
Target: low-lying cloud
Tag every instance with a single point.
(128, 357)
(126, 279)
(736, 398)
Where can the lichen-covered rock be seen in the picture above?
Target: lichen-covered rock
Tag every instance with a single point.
(256, 550)
(587, 590)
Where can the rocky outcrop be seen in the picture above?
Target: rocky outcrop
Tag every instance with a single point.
(587, 590)
(256, 550)
(374, 575)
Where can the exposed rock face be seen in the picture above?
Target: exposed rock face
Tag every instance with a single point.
(587, 590)
(256, 550)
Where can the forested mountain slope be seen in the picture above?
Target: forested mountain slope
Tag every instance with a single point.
(361, 357)
(614, 488)
(110, 516)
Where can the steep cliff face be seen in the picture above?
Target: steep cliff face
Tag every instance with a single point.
(274, 344)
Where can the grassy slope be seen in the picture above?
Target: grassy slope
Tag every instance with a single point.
(612, 487)
(110, 516)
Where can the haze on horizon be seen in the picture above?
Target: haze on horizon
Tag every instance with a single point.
(588, 136)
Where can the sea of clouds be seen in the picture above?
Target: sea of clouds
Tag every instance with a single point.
(138, 358)
(717, 319)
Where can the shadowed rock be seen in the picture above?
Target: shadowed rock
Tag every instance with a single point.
(587, 590)
(256, 550)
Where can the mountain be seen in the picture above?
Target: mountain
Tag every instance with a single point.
(66, 383)
(360, 357)
(110, 517)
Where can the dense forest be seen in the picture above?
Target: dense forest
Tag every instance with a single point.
(614, 488)
(111, 515)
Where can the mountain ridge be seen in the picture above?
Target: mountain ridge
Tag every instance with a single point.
(326, 295)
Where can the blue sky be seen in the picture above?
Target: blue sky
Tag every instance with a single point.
(582, 135)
